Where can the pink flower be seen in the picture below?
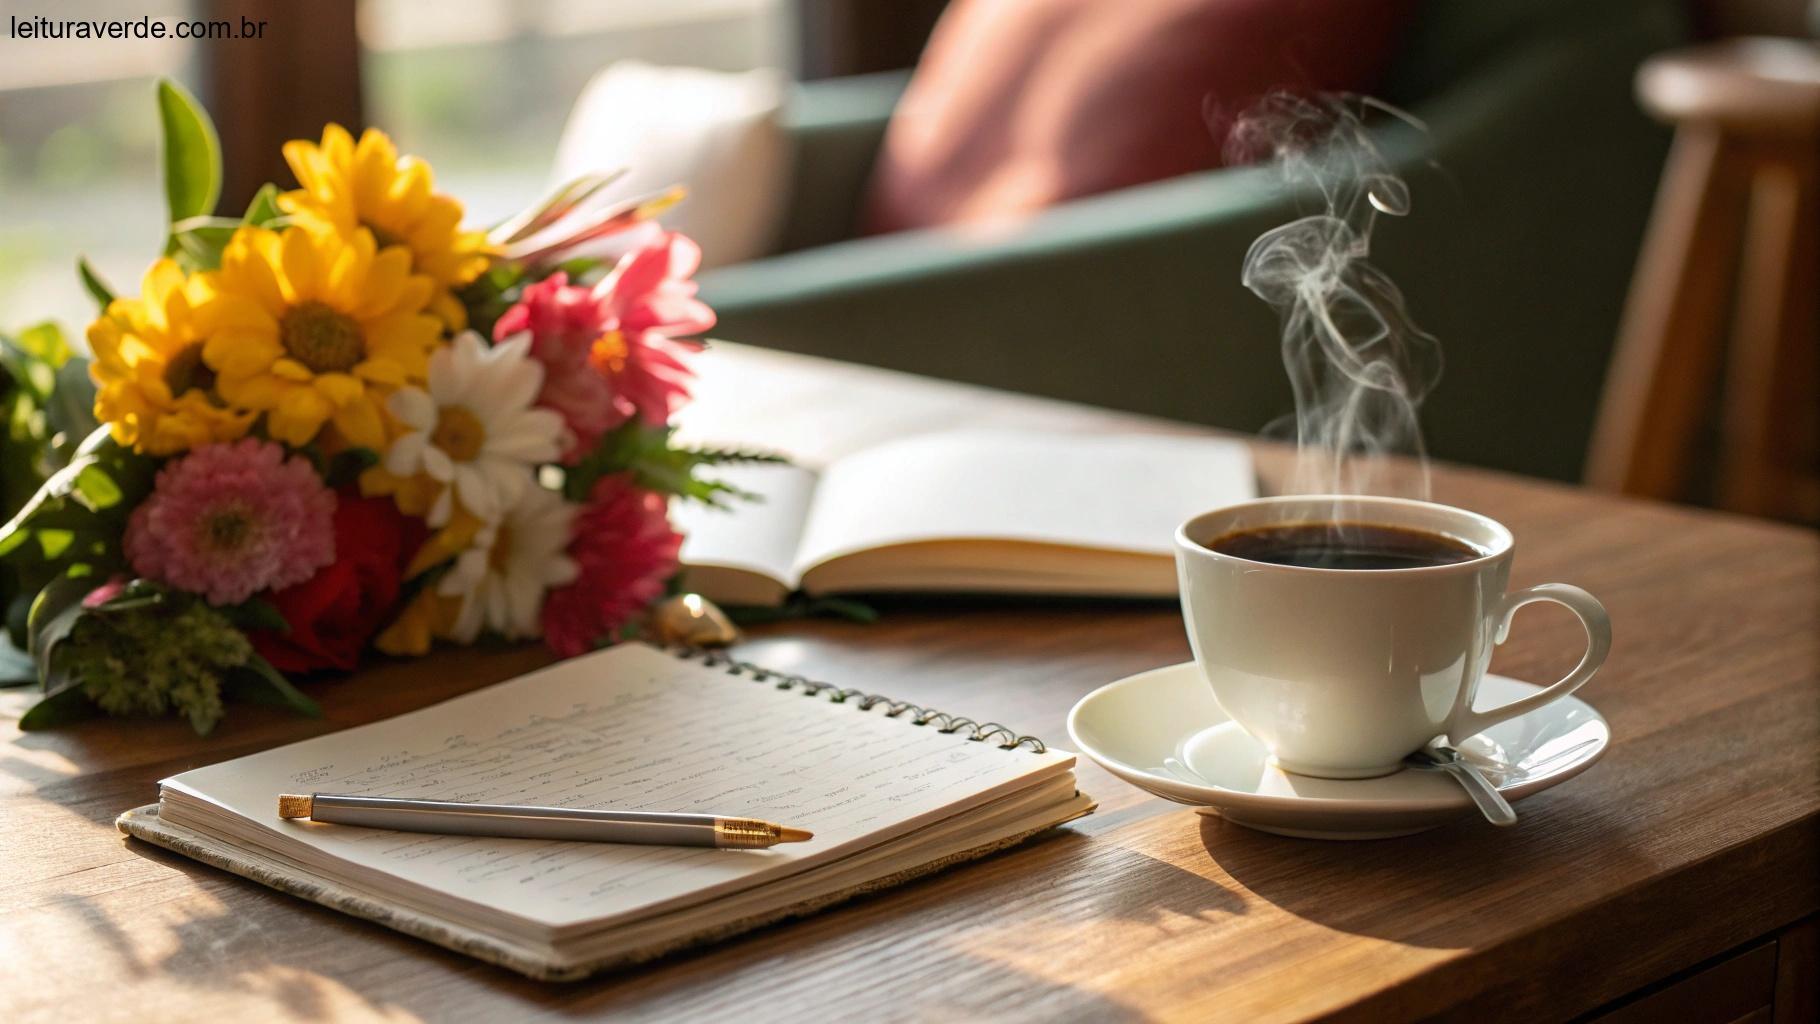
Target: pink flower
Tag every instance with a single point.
(650, 303)
(106, 592)
(229, 520)
(615, 351)
(564, 320)
(625, 549)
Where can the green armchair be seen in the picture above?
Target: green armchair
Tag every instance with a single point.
(1530, 190)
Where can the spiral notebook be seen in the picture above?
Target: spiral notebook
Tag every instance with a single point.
(891, 791)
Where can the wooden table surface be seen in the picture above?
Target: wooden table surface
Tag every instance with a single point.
(1696, 833)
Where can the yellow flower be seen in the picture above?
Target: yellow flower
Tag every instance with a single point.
(430, 615)
(153, 389)
(315, 328)
(349, 185)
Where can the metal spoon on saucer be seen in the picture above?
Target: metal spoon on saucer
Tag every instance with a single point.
(1438, 757)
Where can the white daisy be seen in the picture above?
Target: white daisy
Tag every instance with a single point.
(503, 577)
(475, 430)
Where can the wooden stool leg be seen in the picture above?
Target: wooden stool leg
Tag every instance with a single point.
(1768, 415)
(1658, 387)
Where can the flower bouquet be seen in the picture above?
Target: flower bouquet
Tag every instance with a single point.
(343, 422)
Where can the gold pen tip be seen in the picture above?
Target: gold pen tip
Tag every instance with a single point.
(290, 805)
(785, 834)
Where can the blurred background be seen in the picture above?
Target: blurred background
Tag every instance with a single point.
(1031, 194)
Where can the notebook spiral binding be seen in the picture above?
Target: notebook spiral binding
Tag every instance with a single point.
(980, 731)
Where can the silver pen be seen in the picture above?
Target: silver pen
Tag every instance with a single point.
(521, 822)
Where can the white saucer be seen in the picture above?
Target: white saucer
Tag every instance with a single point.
(1130, 727)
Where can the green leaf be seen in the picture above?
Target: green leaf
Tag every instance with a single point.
(263, 211)
(192, 154)
(76, 519)
(71, 409)
(96, 488)
(54, 614)
(491, 294)
(259, 683)
(93, 283)
(46, 341)
(31, 359)
(657, 465)
(60, 708)
(345, 467)
(254, 613)
(200, 241)
(578, 267)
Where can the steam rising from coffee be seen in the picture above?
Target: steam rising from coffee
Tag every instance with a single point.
(1358, 365)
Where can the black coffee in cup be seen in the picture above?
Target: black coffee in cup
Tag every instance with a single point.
(1344, 546)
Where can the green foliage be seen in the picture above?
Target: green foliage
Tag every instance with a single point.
(254, 613)
(146, 650)
(657, 465)
(191, 156)
(48, 402)
(257, 682)
(31, 359)
(344, 467)
(93, 283)
(38, 432)
(200, 241)
(491, 294)
(73, 525)
(497, 290)
(197, 243)
(263, 211)
(70, 410)
(580, 268)
(53, 615)
(67, 705)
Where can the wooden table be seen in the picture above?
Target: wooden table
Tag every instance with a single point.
(1682, 855)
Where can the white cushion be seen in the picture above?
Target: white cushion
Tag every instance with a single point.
(714, 132)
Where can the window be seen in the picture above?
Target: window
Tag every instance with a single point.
(481, 88)
(79, 159)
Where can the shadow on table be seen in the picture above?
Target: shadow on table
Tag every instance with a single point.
(982, 940)
(932, 936)
(1426, 889)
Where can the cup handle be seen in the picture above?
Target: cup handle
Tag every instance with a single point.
(1468, 722)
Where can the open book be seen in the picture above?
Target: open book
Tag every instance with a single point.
(631, 728)
(965, 511)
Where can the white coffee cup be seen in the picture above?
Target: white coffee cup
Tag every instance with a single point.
(1340, 673)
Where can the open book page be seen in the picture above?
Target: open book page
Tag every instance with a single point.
(1117, 494)
(630, 728)
(746, 553)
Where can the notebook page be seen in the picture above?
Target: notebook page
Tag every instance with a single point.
(628, 728)
(1125, 493)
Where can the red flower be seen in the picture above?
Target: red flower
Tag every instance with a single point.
(334, 613)
(626, 550)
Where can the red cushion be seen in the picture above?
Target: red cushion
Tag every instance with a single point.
(1019, 104)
